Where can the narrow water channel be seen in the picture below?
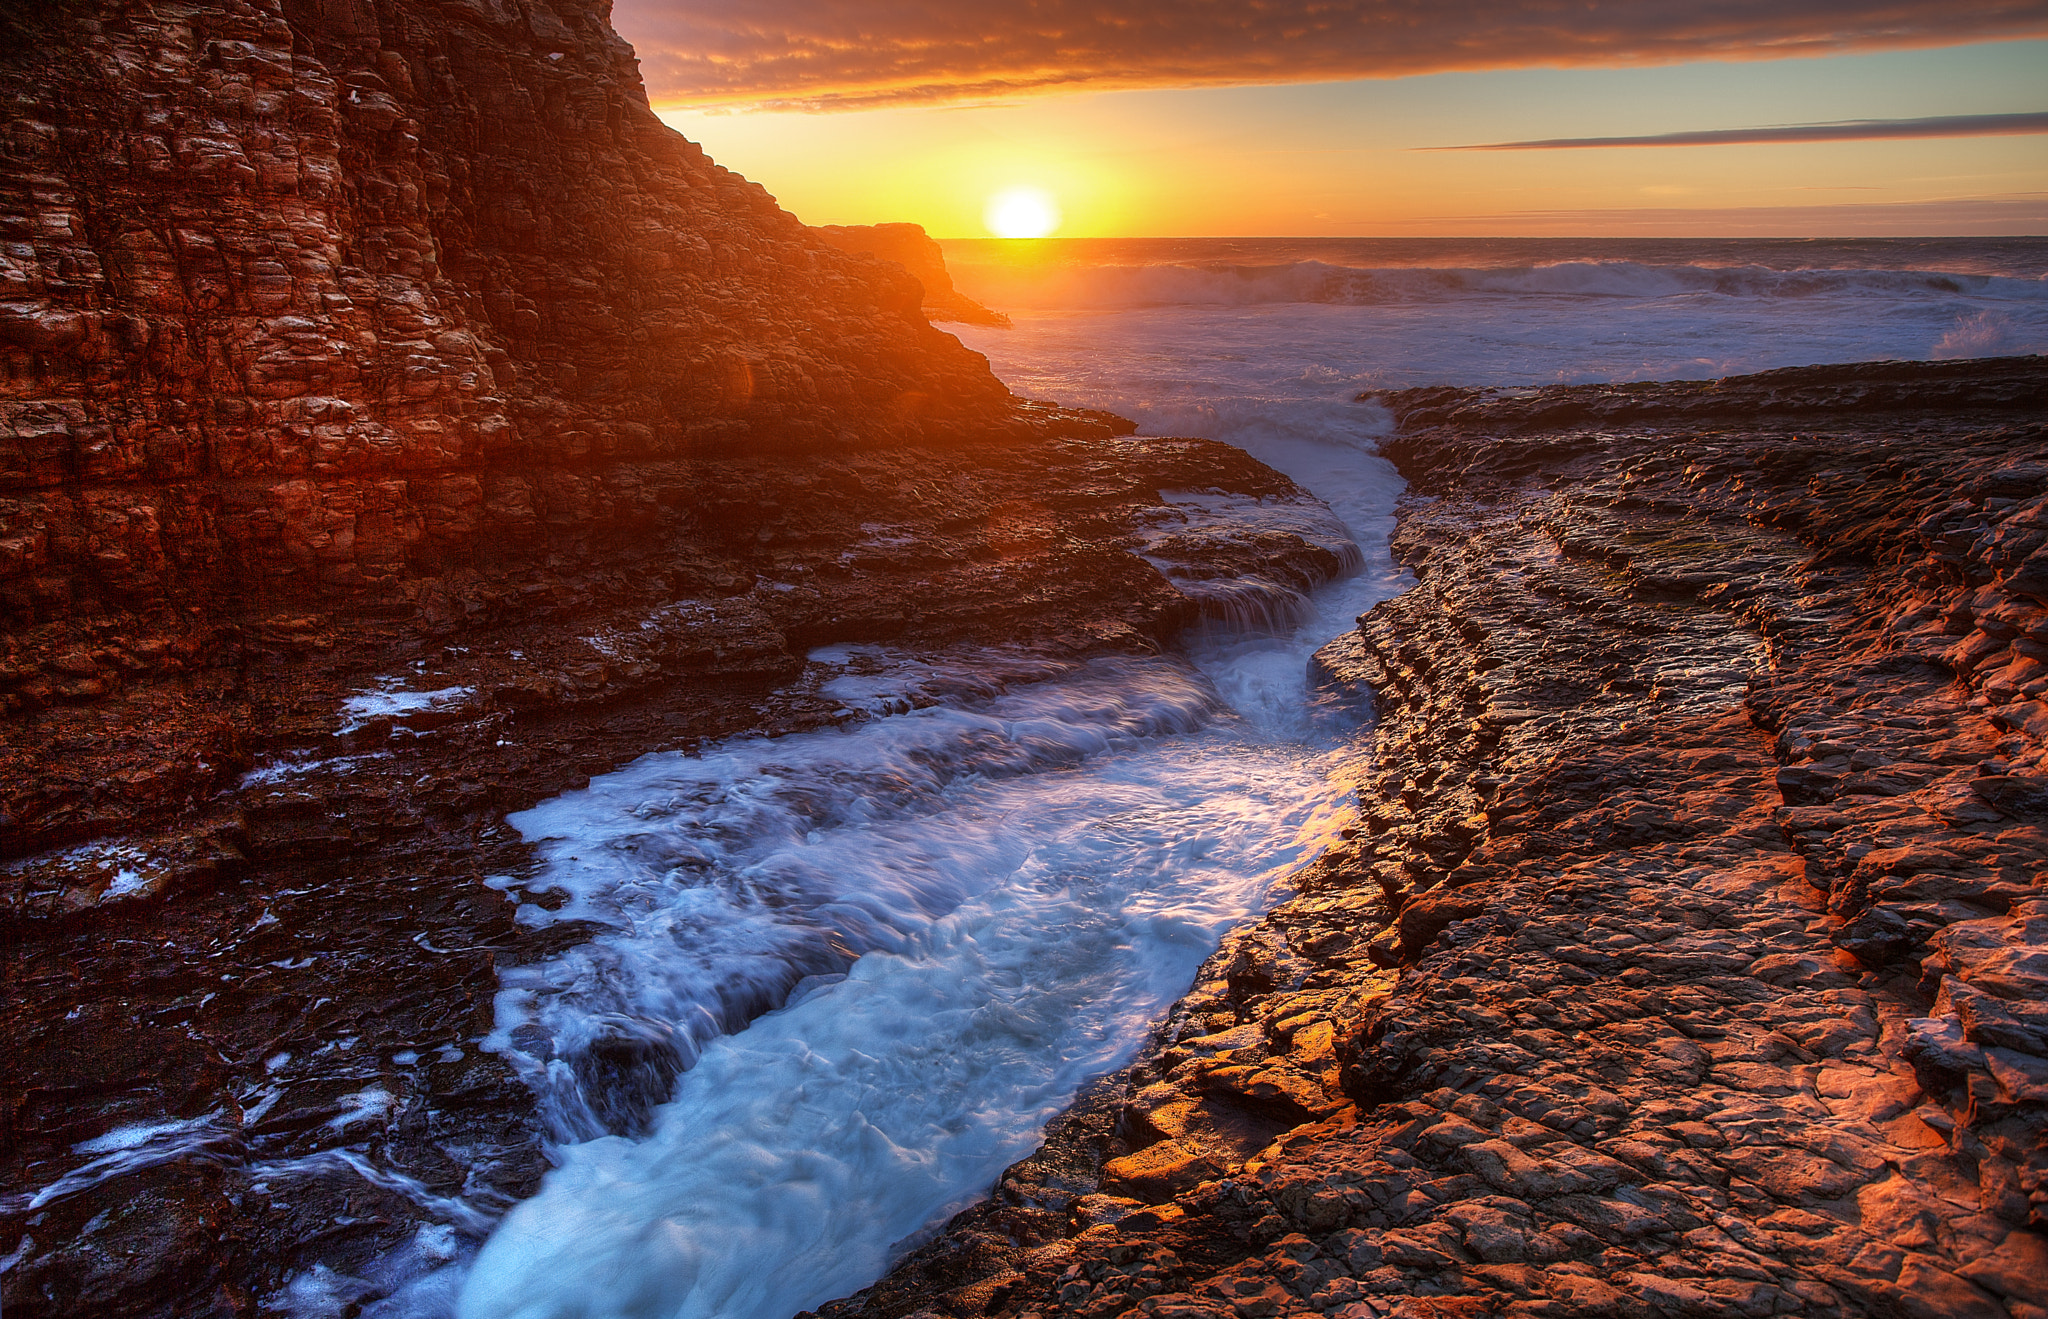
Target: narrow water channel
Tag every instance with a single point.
(968, 903)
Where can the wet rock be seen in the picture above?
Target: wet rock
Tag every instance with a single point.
(1157, 1173)
(1424, 918)
(1622, 962)
(628, 1070)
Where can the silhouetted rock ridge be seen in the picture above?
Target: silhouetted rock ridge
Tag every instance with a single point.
(917, 252)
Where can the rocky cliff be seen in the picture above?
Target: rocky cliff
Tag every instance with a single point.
(1691, 956)
(324, 316)
(399, 425)
(343, 304)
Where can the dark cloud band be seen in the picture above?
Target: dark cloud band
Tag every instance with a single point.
(845, 54)
(1854, 130)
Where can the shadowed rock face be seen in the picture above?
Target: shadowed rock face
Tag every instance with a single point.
(918, 253)
(334, 303)
(1691, 954)
(357, 346)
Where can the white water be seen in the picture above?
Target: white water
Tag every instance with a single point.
(982, 894)
(1027, 860)
(1021, 930)
(390, 699)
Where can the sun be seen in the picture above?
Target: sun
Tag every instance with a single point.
(1021, 213)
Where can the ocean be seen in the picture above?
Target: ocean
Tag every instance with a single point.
(983, 890)
(1398, 312)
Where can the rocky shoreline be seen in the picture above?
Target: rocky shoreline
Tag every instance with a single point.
(300, 962)
(399, 424)
(1691, 956)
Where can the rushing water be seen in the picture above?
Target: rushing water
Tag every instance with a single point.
(841, 979)
(973, 901)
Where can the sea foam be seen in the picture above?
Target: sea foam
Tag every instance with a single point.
(982, 890)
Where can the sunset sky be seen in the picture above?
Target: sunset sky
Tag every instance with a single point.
(1328, 117)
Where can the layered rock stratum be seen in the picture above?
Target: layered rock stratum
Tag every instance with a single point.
(341, 302)
(1692, 956)
(398, 425)
(330, 313)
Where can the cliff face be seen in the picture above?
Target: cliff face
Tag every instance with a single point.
(398, 425)
(313, 303)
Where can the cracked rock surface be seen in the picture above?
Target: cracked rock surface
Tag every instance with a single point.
(398, 426)
(1690, 957)
(398, 310)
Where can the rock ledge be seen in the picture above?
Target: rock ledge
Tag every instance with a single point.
(1692, 954)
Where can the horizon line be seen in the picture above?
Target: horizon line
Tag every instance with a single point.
(1021, 243)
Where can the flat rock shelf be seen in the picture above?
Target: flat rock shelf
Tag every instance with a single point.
(1690, 958)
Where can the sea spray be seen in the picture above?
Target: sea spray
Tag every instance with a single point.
(974, 898)
(1027, 885)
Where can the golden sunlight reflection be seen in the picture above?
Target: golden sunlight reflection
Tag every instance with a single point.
(1022, 213)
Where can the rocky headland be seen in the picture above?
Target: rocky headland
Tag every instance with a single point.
(909, 246)
(399, 425)
(1691, 957)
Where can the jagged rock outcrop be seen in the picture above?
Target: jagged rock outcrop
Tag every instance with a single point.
(1689, 960)
(399, 425)
(317, 304)
(910, 247)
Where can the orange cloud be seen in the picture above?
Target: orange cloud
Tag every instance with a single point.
(842, 55)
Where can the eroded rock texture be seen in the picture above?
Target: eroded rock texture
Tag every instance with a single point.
(398, 425)
(1690, 960)
(343, 304)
